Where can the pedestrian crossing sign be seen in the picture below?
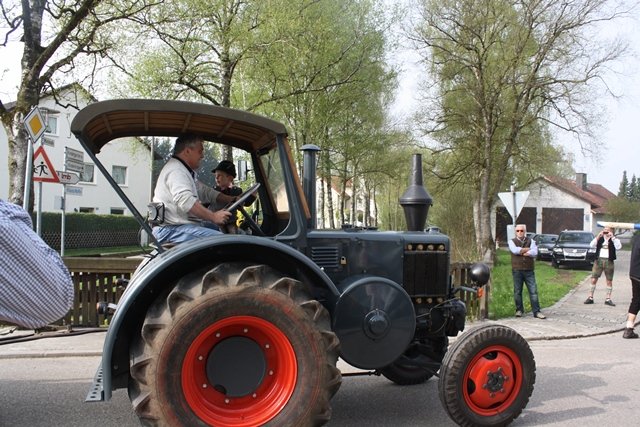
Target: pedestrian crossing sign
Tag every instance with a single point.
(43, 170)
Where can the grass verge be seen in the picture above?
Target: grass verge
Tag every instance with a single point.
(553, 284)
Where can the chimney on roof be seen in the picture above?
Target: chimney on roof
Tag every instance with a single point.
(581, 180)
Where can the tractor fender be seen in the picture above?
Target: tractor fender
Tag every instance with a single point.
(160, 274)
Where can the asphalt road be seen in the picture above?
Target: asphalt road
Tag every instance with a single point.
(580, 382)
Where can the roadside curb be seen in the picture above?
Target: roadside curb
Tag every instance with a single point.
(26, 344)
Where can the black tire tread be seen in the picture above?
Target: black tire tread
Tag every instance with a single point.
(460, 353)
(222, 278)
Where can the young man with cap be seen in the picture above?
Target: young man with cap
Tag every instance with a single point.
(225, 173)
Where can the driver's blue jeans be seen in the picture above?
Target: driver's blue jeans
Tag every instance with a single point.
(527, 277)
(182, 233)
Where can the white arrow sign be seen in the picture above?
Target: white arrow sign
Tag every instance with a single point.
(68, 177)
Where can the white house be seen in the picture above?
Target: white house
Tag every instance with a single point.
(128, 160)
(555, 204)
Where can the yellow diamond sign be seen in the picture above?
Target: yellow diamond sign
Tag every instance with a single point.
(34, 124)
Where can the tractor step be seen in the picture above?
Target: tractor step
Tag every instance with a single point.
(96, 392)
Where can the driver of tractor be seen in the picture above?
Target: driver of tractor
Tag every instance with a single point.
(225, 173)
(183, 196)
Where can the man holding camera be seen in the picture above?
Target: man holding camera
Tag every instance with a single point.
(606, 245)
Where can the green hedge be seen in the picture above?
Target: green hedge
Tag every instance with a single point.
(79, 222)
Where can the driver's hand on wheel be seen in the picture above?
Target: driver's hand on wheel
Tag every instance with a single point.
(221, 217)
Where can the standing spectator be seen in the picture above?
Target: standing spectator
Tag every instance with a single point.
(606, 245)
(523, 254)
(183, 195)
(634, 275)
(35, 285)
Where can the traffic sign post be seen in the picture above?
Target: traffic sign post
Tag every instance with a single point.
(34, 124)
(68, 177)
(73, 160)
(43, 170)
(514, 202)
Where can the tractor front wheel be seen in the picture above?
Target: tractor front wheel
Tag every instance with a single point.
(235, 346)
(487, 377)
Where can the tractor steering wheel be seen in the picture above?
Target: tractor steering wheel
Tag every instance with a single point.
(239, 204)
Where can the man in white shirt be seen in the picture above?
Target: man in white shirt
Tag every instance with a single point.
(606, 245)
(183, 195)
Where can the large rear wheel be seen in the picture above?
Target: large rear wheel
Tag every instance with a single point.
(487, 377)
(235, 346)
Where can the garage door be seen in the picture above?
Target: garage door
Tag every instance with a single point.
(554, 220)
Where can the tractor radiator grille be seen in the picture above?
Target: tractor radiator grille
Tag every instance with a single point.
(325, 256)
(426, 273)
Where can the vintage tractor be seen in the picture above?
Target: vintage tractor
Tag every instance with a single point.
(246, 329)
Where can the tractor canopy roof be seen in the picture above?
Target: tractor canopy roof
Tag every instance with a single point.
(99, 123)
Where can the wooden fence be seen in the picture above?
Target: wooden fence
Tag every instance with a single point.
(94, 280)
(477, 305)
(100, 279)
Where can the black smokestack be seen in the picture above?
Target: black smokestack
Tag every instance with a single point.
(309, 180)
(416, 201)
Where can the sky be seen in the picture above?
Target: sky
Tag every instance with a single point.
(620, 130)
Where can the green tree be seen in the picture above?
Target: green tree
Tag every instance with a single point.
(620, 209)
(340, 85)
(506, 71)
(192, 50)
(624, 185)
(633, 192)
(56, 37)
(317, 66)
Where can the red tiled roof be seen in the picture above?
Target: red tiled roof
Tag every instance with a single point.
(595, 194)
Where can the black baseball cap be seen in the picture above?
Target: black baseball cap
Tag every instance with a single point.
(227, 167)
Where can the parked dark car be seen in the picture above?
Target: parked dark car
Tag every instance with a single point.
(572, 247)
(545, 243)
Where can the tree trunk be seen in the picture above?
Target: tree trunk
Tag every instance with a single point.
(482, 222)
(17, 140)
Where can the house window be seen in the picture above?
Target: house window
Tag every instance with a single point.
(88, 175)
(87, 210)
(117, 211)
(52, 125)
(119, 174)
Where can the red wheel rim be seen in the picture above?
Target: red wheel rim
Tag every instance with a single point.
(492, 380)
(266, 401)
